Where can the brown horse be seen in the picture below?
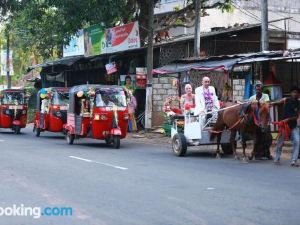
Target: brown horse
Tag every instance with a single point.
(255, 121)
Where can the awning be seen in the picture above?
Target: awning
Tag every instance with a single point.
(216, 65)
(66, 61)
(223, 63)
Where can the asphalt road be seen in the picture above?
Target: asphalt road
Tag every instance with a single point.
(140, 184)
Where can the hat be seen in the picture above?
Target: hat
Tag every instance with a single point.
(258, 83)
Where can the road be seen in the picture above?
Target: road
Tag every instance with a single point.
(140, 184)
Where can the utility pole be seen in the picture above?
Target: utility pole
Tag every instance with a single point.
(197, 28)
(264, 26)
(148, 110)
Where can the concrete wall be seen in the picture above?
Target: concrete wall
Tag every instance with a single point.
(162, 89)
(238, 89)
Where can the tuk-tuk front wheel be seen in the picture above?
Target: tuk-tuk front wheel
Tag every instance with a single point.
(116, 142)
(37, 131)
(17, 130)
(179, 145)
(70, 138)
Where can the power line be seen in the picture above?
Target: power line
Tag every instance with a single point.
(252, 15)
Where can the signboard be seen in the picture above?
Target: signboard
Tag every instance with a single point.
(75, 46)
(4, 64)
(141, 77)
(93, 37)
(111, 68)
(121, 38)
(95, 40)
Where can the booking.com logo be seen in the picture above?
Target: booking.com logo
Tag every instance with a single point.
(35, 212)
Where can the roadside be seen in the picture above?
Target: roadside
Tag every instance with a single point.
(156, 138)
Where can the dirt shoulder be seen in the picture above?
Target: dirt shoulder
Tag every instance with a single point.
(154, 138)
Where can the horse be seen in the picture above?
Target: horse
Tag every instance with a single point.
(254, 122)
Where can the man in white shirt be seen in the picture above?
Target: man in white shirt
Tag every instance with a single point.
(206, 100)
(259, 96)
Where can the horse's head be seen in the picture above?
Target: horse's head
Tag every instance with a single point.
(261, 115)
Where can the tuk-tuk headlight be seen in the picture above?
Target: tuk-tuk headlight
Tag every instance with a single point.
(100, 117)
(103, 117)
(24, 112)
(97, 117)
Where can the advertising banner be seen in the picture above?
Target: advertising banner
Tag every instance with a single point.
(93, 37)
(121, 38)
(4, 64)
(75, 46)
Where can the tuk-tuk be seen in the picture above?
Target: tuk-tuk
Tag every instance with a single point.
(51, 110)
(13, 109)
(98, 112)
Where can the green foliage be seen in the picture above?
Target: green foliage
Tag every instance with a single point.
(39, 28)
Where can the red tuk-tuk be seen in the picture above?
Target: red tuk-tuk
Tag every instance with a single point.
(13, 109)
(51, 110)
(99, 112)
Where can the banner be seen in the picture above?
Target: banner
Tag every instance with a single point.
(96, 40)
(111, 68)
(121, 38)
(4, 64)
(141, 77)
(75, 46)
(93, 37)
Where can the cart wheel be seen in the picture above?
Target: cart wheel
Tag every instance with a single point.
(179, 144)
(227, 149)
(17, 130)
(37, 131)
(116, 142)
(70, 138)
(108, 140)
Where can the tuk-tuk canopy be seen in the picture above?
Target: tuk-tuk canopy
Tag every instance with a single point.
(96, 91)
(12, 96)
(59, 93)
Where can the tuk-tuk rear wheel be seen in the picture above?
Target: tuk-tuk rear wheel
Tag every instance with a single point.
(116, 142)
(179, 145)
(70, 138)
(108, 140)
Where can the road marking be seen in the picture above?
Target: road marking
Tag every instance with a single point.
(86, 160)
(210, 188)
(101, 163)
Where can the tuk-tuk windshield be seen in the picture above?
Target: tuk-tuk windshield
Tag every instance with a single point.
(13, 98)
(110, 97)
(60, 98)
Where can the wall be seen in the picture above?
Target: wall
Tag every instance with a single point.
(238, 89)
(162, 89)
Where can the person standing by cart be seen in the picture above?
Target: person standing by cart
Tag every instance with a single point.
(291, 113)
(206, 100)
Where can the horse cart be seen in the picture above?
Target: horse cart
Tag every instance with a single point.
(189, 130)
